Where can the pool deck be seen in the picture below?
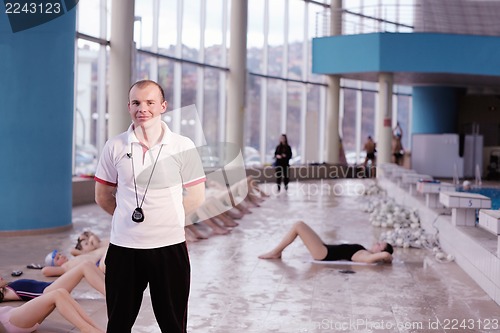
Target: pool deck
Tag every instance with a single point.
(475, 249)
(234, 291)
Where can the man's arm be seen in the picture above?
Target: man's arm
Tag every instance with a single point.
(193, 198)
(105, 197)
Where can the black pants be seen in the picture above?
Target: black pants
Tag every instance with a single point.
(129, 271)
(282, 173)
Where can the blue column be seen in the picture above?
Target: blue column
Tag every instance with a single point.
(36, 90)
(435, 110)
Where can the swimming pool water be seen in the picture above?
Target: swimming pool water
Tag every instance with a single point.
(491, 192)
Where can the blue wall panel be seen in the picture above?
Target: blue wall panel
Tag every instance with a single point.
(36, 90)
(435, 110)
(407, 52)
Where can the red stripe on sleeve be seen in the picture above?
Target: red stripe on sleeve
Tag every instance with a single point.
(102, 181)
(195, 182)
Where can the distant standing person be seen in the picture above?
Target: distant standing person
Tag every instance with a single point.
(371, 149)
(148, 178)
(397, 146)
(283, 154)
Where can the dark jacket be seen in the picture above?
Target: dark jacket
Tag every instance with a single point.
(283, 149)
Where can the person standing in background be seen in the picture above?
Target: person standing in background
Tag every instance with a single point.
(397, 145)
(371, 149)
(283, 154)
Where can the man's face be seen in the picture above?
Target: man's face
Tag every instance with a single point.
(145, 104)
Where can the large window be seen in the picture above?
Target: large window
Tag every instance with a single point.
(294, 118)
(90, 117)
(188, 55)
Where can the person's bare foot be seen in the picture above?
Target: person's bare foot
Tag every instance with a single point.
(220, 231)
(270, 255)
(191, 238)
(245, 210)
(230, 224)
(234, 215)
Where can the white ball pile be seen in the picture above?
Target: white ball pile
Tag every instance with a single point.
(406, 230)
(374, 189)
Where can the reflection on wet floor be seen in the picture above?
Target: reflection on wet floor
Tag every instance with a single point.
(234, 291)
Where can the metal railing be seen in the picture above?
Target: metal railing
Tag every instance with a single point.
(470, 17)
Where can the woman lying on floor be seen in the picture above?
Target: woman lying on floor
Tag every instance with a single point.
(44, 297)
(26, 289)
(27, 317)
(88, 242)
(380, 252)
(57, 264)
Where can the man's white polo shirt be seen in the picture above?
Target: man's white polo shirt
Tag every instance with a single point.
(178, 166)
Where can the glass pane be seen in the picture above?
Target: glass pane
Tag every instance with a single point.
(273, 119)
(143, 66)
(349, 124)
(89, 9)
(86, 112)
(211, 106)
(294, 101)
(214, 32)
(313, 106)
(188, 97)
(404, 103)
(406, 11)
(143, 24)
(167, 25)
(314, 10)
(166, 80)
(367, 120)
(255, 35)
(252, 122)
(276, 37)
(191, 30)
(295, 39)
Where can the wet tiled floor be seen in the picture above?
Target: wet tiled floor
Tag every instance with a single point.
(234, 291)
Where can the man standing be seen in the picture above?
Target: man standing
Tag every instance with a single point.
(140, 180)
(370, 148)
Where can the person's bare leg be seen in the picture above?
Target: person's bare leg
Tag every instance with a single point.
(36, 310)
(189, 235)
(254, 191)
(216, 228)
(310, 239)
(234, 213)
(87, 270)
(260, 191)
(252, 200)
(194, 230)
(242, 208)
(227, 220)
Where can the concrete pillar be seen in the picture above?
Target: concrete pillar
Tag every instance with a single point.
(332, 137)
(37, 71)
(384, 118)
(237, 73)
(120, 64)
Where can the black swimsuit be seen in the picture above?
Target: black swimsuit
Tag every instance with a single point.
(28, 289)
(342, 251)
